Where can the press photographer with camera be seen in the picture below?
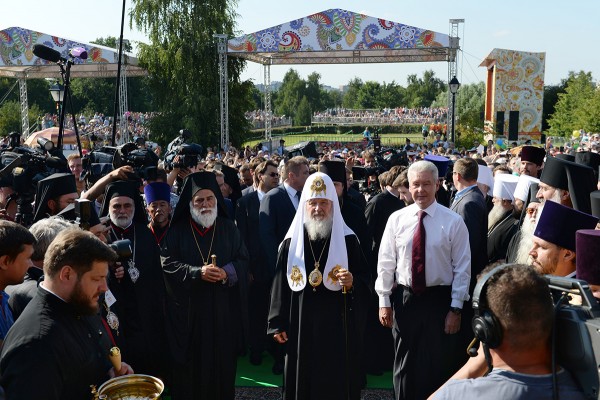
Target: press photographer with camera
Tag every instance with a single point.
(515, 335)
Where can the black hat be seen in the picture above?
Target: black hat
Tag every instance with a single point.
(54, 186)
(595, 203)
(232, 178)
(588, 256)
(533, 154)
(336, 170)
(193, 183)
(125, 189)
(589, 159)
(533, 189)
(558, 224)
(440, 162)
(578, 179)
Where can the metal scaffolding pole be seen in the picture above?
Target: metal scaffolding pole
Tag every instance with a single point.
(268, 114)
(223, 89)
(123, 108)
(453, 64)
(24, 107)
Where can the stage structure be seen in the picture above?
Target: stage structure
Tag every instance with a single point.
(336, 36)
(18, 61)
(514, 94)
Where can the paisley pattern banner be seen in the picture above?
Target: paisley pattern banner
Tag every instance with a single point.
(337, 30)
(519, 86)
(16, 48)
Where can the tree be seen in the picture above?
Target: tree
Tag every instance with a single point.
(422, 92)
(290, 94)
(351, 95)
(550, 100)
(569, 111)
(182, 64)
(10, 117)
(304, 113)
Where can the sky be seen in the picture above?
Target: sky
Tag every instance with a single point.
(569, 32)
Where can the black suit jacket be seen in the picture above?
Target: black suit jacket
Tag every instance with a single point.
(473, 209)
(247, 220)
(378, 210)
(276, 215)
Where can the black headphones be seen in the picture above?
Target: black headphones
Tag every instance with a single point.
(485, 325)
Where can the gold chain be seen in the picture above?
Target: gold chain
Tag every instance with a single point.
(317, 262)
(204, 260)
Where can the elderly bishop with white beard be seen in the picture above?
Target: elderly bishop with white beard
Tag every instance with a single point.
(206, 295)
(318, 299)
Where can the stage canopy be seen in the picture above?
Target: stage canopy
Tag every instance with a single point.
(17, 59)
(338, 36)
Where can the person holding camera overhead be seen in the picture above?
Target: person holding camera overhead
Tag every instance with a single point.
(134, 303)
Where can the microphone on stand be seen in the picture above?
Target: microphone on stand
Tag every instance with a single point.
(78, 52)
(48, 54)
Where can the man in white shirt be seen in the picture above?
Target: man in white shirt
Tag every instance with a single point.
(424, 269)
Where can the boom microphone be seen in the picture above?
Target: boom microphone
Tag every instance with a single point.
(78, 52)
(47, 53)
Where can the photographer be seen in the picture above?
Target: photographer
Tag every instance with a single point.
(519, 342)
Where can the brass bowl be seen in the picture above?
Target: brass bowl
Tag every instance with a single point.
(132, 387)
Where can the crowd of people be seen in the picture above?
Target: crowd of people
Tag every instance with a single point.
(387, 116)
(98, 128)
(258, 118)
(347, 263)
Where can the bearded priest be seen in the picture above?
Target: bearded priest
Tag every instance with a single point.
(318, 299)
(206, 296)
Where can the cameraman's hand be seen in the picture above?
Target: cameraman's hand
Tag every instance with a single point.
(119, 271)
(121, 173)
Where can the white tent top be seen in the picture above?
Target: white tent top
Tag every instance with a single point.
(338, 36)
(18, 61)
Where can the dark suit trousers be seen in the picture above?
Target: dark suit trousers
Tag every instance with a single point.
(258, 311)
(421, 365)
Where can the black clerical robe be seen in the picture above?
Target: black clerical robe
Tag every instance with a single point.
(322, 354)
(140, 304)
(53, 353)
(204, 320)
(499, 237)
(21, 294)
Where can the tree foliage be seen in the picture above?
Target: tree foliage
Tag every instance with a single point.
(182, 62)
(571, 111)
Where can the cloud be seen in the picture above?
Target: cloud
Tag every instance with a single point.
(502, 33)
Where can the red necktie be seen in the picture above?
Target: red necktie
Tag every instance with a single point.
(418, 257)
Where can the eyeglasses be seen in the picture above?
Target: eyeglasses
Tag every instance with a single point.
(273, 175)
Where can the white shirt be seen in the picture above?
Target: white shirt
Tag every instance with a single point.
(260, 194)
(292, 193)
(447, 252)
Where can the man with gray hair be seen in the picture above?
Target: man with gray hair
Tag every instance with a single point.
(44, 231)
(424, 269)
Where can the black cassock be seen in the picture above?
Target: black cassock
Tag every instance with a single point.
(322, 360)
(204, 320)
(500, 236)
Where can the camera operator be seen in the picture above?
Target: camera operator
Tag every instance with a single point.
(54, 194)
(518, 341)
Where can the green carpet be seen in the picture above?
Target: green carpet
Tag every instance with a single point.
(261, 375)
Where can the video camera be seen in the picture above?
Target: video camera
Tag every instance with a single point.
(100, 162)
(23, 168)
(189, 153)
(577, 327)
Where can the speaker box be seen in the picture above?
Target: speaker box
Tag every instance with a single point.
(500, 122)
(513, 125)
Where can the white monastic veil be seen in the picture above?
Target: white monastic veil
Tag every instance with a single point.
(337, 256)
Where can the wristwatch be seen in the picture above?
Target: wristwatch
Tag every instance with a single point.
(456, 310)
